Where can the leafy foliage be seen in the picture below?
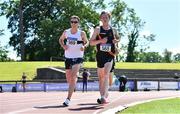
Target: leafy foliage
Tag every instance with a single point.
(130, 25)
(150, 57)
(167, 56)
(3, 55)
(177, 57)
(3, 51)
(44, 21)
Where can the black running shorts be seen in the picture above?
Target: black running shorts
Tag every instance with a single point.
(69, 62)
(102, 58)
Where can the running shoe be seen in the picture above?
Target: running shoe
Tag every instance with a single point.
(99, 101)
(66, 102)
(102, 101)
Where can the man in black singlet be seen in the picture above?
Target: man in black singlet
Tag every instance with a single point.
(105, 39)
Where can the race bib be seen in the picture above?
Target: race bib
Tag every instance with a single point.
(105, 47)
(71, 41)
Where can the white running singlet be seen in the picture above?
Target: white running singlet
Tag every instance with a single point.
(73, 50)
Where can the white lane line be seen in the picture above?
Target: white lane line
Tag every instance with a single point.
(145, 101)
(20, 111)
(114, 110)
(120, 108)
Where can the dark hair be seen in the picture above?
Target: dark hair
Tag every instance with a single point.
(75, 17)
(23, 77)
(104, 12)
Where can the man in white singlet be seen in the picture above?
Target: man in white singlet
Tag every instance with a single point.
(73, 41)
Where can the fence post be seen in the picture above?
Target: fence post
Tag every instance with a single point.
(44, 86)
(178, 87)
(135, 85)
(158, 84)
(16, 84)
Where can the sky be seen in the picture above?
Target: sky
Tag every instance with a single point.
(162, 18)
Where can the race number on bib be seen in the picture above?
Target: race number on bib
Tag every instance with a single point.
(105, 47)
(71, 41)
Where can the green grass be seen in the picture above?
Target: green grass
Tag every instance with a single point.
(124, 65)
(168, 66)
(168, 106)
(14, 70)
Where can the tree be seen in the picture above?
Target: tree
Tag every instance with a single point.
(136, 25)
(21, 28)
(176, 57)
(43, 22)
(167, 56)
(1, 32)
(128, 23)
(3, 51)
(3, 55)
(151, 57)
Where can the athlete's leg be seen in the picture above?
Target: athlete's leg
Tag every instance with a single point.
(100, 72)
(83, 85)
(24, 87)
(111, 78)
(73, 80)
(68, 70)
(86, 86)
(111, 73)
(107, 69)
(68, 75)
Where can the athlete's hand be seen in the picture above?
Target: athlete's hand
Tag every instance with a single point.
(104, 40)
(65, 47)
(115, 41)
(82, 48)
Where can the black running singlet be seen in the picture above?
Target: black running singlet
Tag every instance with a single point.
(109, 45)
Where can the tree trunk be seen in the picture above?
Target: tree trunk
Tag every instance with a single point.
(131, 46)
(21, 28)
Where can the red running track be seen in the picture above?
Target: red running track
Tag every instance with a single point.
(81, 103)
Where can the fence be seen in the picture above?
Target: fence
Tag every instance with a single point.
(133, 84)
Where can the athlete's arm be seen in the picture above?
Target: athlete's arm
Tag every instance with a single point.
(93, 40)
(61, 40)
(84, 38)
(117, 37)
(85, 41)
(116, 41)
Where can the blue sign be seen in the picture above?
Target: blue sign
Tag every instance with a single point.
(130, 85)
(7, 87)
(56, 86)
(91, 86)
(31, 87)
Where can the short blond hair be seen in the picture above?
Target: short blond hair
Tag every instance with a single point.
(75, 17)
